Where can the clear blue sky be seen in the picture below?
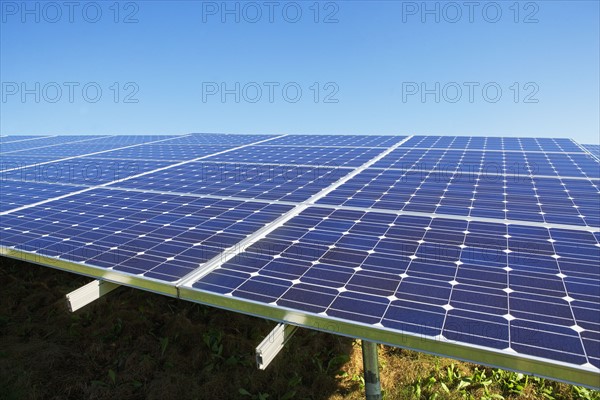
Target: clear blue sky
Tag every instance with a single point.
(371, 60)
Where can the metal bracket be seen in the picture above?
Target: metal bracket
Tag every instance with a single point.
(271, 345)
(88, 293)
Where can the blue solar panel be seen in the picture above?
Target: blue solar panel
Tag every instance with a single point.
(252, 181)
(485, 249)
(18, 138)
(71, 150)
(221, 139)
(593, 148)
(552, 200)
(10, 162)
(69, 146)
(338, 140)
(15, 194)
(328, 156)
(41, 142)
(494, 143)
(165, 151)
(492, 162)
(156, 236)
(81, 171)
(430, 277)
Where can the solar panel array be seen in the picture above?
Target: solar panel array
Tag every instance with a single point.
(593, 148)
(479, 248)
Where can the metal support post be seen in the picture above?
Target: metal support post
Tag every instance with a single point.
(371, 370)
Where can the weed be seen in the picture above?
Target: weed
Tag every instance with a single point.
(328, 362)
(584, 393)
(164, 343)
(259, 396)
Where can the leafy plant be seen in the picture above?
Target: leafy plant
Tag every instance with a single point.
(258, 396)
(112, 375)
(213, 339)
(511, 383)
(327, 362)
(164, 343)
(582, 393)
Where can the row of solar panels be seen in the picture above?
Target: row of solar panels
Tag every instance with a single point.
(574, 161)
(440, 254)
(453, 142)
(563, 191)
